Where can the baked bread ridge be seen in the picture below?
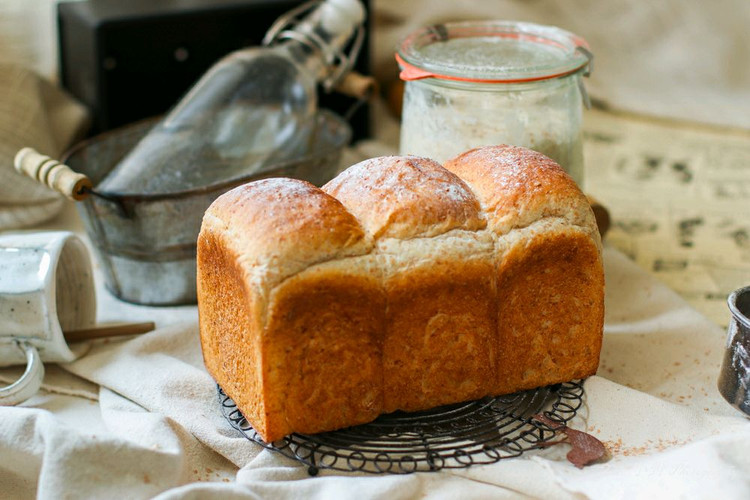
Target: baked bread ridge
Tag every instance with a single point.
(550, 275)
(282, 226)
(437, 266)
(439, 340)
(423, 273)
(516, 186)
(406, 197)
(252, 239)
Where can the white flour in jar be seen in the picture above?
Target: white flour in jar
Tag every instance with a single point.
(442, 120)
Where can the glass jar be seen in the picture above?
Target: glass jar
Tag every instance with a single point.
(479, 83)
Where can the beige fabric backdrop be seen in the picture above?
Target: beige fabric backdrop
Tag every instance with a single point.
(687, 59)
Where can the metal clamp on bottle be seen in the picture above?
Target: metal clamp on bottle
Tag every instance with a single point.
(342, 63)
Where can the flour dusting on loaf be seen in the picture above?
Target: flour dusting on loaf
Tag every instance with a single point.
(406, 196)
(518, 186)
(282, 226)
(401, 284)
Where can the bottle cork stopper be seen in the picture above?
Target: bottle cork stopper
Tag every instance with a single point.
(53, 174)
(357, 85)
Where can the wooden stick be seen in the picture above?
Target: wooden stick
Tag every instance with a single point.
(108, 330)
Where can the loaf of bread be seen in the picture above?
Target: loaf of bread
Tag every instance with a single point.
(400, 285)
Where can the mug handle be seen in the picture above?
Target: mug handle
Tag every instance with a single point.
(26, 386)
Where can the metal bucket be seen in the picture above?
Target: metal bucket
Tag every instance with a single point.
(146, 244)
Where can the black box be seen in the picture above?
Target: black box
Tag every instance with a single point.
(133, 59)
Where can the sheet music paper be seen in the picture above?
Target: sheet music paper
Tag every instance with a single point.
(679, 196)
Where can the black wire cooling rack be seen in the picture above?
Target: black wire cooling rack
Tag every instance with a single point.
(449, 437)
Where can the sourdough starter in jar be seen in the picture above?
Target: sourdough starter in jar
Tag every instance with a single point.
(484, 83)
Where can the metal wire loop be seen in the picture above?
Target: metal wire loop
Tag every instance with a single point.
(449, 437)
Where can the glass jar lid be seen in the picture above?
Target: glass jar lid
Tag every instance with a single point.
(492, 52)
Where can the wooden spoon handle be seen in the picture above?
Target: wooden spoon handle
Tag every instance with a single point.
(114, 330)
(53, 174)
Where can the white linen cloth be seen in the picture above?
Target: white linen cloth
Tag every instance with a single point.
(143, 420)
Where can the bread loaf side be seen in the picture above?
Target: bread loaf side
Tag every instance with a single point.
(401, 284)
(550, 277)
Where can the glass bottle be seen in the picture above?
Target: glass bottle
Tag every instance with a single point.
(253, 108)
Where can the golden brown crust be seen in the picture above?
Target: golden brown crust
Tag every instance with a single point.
(440, 334)
(400, 285)
(323, 350)
(284, 225)
(228, 318)
(550, 310)
(550, 278)
(517, 186)
(405, 197)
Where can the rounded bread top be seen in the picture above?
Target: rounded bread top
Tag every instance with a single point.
(517, 187)
(286, 223)
(405, 197)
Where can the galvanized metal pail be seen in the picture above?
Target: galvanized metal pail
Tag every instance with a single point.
(146, 243)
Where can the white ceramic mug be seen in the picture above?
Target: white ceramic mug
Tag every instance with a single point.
(46, 287)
